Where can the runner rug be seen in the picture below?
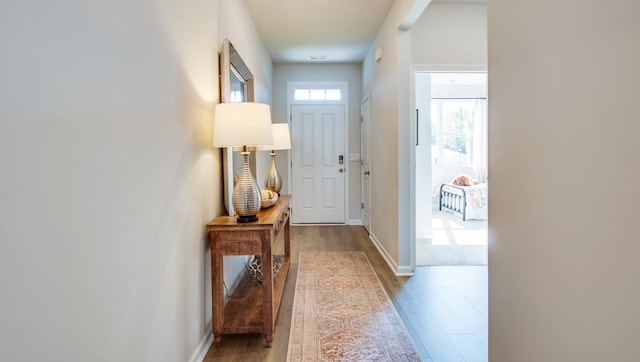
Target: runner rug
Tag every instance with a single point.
(341, 312)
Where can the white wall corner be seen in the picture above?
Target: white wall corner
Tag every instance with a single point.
(413, 14)
(403, 270)
(203, 347)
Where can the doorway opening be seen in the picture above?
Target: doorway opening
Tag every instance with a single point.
(451, 140)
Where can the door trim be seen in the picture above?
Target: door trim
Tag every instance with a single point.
(344, 101)
(366, 98)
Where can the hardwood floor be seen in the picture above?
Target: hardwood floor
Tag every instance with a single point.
(444, 308)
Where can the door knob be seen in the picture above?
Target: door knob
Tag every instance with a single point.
(341, 170)
(367, 173)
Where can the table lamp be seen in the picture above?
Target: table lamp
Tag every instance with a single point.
(244, 124)
(281, 141)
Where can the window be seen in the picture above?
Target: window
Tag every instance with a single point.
(456, 131)
(238, 86)
(317, 94)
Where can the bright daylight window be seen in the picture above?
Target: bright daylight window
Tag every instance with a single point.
(236, 96)
(317, 94)
(456, 131)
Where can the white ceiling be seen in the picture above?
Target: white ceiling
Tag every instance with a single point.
(297, 30)
(336, 31)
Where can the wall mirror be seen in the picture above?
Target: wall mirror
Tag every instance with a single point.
(236, 85)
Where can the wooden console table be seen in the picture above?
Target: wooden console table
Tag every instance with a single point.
(253, 307)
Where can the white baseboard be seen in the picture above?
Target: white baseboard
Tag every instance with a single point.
(355, 222)
(397, 270)
(404, 271)
(383, 252)
(203, 347)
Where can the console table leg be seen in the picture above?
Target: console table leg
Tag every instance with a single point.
(267, 286)
(217, 288)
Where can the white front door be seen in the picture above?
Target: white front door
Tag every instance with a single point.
(364, 160)
(318, 164)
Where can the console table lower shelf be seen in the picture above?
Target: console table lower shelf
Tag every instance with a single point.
(244, 310)
(253, 306)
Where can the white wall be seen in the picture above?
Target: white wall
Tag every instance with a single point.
(423, 169)
(350, 73)
(236, 24)
(453, 34)
(437, 36)
(107, 178)
(563, 143)
(384, 81)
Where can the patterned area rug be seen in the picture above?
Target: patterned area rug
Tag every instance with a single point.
(341, 312)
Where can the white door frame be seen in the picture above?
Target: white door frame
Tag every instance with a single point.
(433, 68)
(344, 101)
(366, 98)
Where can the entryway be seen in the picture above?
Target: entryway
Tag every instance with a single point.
(451, 140)
(319, 158)
(319, 166)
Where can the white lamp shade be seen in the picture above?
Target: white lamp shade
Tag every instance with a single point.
(281, 138)
(242, 124)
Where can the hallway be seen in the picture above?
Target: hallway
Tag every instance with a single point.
(444, 308)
